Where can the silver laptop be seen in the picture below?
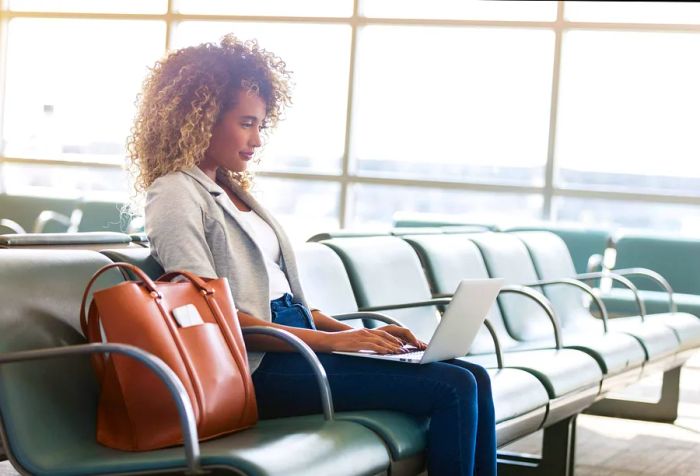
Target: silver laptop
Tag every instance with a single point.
(458, 327)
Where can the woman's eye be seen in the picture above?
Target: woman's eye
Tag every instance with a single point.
(247, 124)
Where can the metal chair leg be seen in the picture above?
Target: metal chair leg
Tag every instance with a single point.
(665, 410)
(558, 454)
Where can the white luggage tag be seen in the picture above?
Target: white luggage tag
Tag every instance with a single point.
(187, 316)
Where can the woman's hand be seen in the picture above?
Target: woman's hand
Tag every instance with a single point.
(405, 335)
(376, 340)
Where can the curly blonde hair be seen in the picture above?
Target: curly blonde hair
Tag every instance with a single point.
(187, 92)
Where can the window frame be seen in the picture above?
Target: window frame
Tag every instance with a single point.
(348, 176)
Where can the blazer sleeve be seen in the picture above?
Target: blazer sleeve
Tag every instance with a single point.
(175, 225)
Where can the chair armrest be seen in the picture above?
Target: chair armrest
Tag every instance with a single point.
(172, 382)
(496, 343)
(377, 316)
(11, 225)
(309, 355)
(595, 262)
(585, 288)
(49, 215)
(654, 276)
(543, 302)
(430, 302)
(620, 279)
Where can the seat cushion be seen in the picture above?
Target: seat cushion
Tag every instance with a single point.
(404, 435)
(515, 393)
(685, 326)
(615, 351)
(286, 446)
(560, 371)
(658, 340)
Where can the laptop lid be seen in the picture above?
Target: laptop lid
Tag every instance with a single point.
(462, 319)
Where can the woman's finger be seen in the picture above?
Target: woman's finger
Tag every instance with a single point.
(387, 336)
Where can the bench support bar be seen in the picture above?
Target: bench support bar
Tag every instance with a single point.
(558, 451)
(665, 410)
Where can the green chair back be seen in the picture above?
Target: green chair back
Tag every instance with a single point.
(47, 407)
(138, 256)
(385, 270)
(25, 209)
(507, 257)
(447, 259)
(324, 280)
(676, 258)
(102, 216)
(581, 242)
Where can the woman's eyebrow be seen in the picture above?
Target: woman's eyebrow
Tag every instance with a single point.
(250, 118)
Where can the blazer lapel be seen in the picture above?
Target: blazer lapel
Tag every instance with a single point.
(288, 261)
(222, 199)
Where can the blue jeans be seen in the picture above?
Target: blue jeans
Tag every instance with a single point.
(455, 395)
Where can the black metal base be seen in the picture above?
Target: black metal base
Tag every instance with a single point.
(665, 410)
(558, 451)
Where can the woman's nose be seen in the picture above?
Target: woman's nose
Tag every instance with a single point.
(255, 140)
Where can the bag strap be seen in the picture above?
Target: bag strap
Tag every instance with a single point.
(147, 282)
(191, 277)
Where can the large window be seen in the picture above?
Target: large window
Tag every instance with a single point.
(70, 85)
(629, 112)
(482, 111)
(453, 104)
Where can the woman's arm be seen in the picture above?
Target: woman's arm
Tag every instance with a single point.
(349, 339)
(327, 323)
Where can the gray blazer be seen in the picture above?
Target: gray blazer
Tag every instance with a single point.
(191, 225)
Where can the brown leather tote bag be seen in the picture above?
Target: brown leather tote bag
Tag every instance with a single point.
(192, 326)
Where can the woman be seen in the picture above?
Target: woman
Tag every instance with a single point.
(201, 116)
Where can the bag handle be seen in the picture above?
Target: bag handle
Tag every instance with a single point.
(147, 282)
(191, 277)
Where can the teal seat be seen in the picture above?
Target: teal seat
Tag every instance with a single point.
(451, 258)
(519, 398)
(550, 257)
(506, 255)
(386, 271)
(426, 220)
(675, 258)
(138, 256)
(48, 407)
(99, 215)
(25, 209)
(586, 245)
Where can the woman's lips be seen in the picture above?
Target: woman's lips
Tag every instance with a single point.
(246, 155)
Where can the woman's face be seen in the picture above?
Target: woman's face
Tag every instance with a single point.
(237, 134)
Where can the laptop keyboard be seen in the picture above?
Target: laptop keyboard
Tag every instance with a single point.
(409, 351)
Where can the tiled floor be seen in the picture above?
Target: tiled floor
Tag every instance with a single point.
(615, 447)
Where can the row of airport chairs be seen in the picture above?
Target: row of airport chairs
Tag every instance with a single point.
(674, 260)
(20, 214)
(548, 357)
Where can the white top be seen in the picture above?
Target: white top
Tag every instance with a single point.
(266, 239)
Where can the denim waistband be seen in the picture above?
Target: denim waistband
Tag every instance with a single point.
(284, 301)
